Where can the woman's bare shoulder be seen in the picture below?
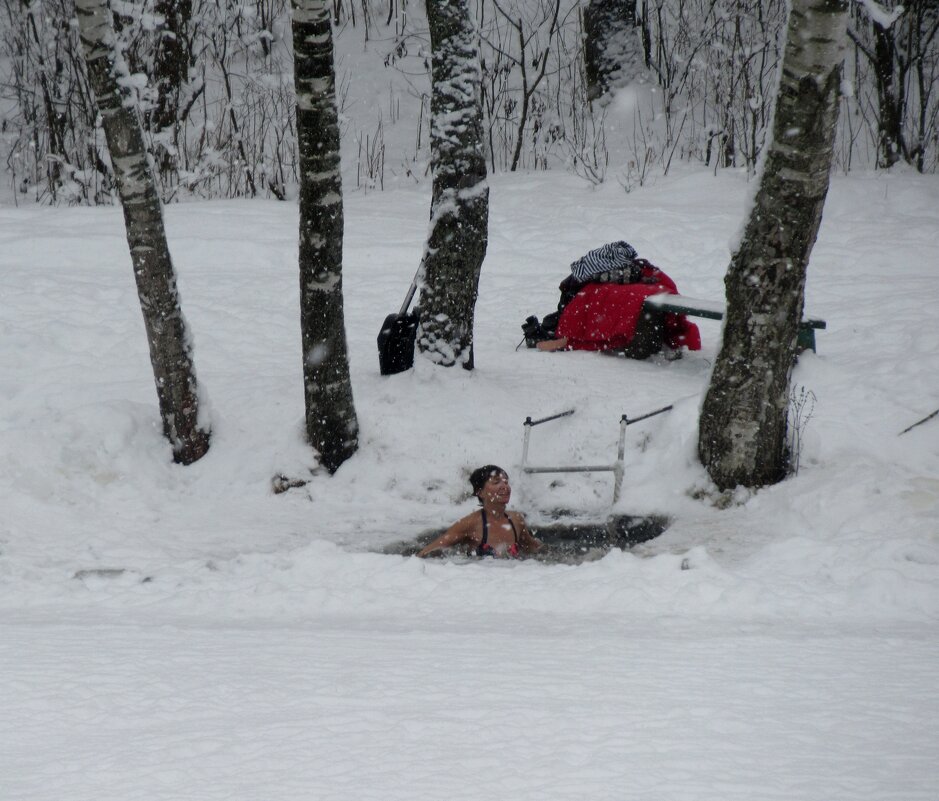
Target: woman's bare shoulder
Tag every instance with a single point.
(469, 523)
(472, 517)
(517, 517)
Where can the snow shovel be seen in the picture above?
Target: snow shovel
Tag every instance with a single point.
(396, 337)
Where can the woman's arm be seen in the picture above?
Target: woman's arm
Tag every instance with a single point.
(553, 344)
(461, 531)
(527, 541)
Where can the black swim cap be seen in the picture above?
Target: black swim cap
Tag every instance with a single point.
(481, 475)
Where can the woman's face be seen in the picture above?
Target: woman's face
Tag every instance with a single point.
(496, 489)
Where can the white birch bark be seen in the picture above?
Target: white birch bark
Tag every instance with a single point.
(743, 424)
(167, 332)
(331, 423)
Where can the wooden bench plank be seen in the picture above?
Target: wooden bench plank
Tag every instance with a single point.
(714, 310)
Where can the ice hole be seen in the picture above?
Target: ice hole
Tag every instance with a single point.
(568, 541)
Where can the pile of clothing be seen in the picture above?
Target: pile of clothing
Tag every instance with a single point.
(601, 307)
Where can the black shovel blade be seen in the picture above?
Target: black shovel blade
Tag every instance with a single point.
(396, 343)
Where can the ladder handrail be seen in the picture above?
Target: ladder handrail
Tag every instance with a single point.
(530, 422)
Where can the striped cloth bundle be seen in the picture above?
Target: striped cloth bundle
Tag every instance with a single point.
(614, 256)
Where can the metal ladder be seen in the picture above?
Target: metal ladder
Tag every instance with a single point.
(616, 468)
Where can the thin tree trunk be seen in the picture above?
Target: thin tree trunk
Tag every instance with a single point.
(55, 120)
(331, 423)
(613, 49)
(459, 231)
(170, 73)
(890, 124)
(167, 333)
(742, 433)
(170, 60)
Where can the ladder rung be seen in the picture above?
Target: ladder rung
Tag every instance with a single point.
(607, 468)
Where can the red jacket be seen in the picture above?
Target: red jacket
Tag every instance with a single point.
(604, 316)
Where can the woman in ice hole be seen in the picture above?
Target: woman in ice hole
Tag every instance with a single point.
(493, 530)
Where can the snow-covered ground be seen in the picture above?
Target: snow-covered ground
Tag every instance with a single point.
(185, 633)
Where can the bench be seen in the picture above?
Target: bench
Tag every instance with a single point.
(714, 310)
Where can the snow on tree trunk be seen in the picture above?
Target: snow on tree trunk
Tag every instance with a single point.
(459, 228)
(167, 333)
(331, 423)
(742, 434)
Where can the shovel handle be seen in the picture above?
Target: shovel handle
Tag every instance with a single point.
(412, 289)
(409, 297)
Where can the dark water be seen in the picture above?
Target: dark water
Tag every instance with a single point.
(569, 541)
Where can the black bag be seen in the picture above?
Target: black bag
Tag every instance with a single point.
(536, 330)
(397, 334)
(396, 342)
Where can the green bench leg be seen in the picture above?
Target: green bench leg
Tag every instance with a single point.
(806, 340)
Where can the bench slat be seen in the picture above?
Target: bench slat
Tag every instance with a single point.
(711, 309)
(681, 304)
(714, 310)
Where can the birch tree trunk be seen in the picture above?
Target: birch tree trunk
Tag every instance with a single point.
(331, 423)
(742, 431)
(167, 332)
(459, 228)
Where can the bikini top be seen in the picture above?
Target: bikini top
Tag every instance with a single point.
(485, 549)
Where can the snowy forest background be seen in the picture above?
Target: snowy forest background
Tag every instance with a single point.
(215, 86)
